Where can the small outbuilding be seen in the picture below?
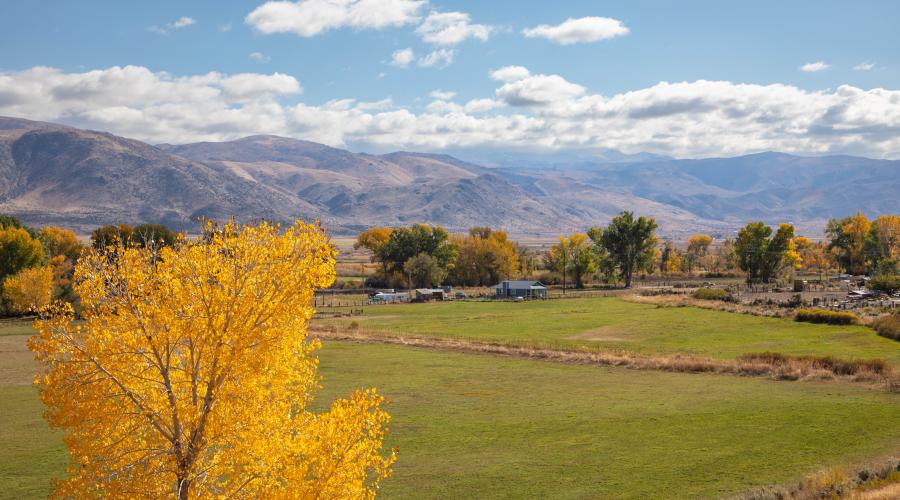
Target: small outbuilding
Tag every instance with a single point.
(426, 294)
(526, 289)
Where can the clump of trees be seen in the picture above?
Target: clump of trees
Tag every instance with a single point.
(191, 373)
(422, 255)
(37, 266)
(863, 246)
(574, 257)
(763, 255)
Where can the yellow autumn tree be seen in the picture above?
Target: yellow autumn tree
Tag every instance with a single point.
(856, 231)
(191, 374)
(28, 290)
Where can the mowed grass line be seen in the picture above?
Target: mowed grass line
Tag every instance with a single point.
(473, 426)
(612, 323)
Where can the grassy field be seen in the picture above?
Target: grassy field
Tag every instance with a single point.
(473, 426)
(484, 426)
(30, 454)
(612, 323)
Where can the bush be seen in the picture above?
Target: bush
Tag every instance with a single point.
(888, 326)
(826, 316)
(889, 283)
(712, 294)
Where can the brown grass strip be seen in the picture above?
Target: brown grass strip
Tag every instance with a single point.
(876, 373)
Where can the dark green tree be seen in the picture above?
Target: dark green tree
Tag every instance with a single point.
(628, 244)
(408, 242)
(18, 251)
(760, 254)
(424, 271)
(153, 235)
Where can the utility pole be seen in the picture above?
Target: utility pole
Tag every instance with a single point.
(565, 253)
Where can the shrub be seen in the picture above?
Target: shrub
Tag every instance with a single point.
(826, 316)
(712, 294)
(888, 326)
(889, 283)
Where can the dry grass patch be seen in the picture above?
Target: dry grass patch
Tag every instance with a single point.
(775, 366)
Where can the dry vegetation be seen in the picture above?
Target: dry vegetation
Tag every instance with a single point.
(876, 373)
(878, 480)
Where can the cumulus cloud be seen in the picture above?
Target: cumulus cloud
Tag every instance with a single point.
(440, 58)
(451, 28)
(579, 30)
(864, 66)
(686, 119)
(309, 18)
(402, 57)
(537, 90)
(179, 23)
(814, 67)
(443, 95)
(510, 73)
(259, 57)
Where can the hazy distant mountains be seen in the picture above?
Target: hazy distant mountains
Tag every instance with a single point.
(61, 175)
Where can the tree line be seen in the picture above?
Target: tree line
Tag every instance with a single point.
(423, 255)
(37, 266)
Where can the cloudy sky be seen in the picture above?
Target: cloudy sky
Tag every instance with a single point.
(682, 78)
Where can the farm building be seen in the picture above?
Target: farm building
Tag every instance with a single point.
(389, 297)
(520, 288)
(426, 294)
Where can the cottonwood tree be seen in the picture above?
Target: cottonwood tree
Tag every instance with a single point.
(697, 249)
(18, 251)
(424, 270)
(761, 255)
(629, 244)
(484, 257)
(574, 256)
(669, 260)
(28, 290)
(191, 374)
(405, 243)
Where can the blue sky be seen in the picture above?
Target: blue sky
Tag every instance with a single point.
(759, 43)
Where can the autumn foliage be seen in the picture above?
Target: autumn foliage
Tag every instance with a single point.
(192, 374)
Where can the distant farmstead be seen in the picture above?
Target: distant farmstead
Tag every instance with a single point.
(520, 288)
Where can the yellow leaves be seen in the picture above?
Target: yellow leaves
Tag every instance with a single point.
(29, 289)
(193, 370)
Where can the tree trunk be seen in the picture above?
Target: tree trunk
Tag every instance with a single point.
(184, 488)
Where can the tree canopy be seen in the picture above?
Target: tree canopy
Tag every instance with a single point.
(762, 255)
(629, 244)
(18, 251)
(191, 374)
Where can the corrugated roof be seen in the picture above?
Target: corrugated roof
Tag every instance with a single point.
(522, 285)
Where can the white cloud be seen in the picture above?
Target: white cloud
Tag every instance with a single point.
(510, 73)
(182, 22)
(259, 57)
(451, 28)
(481, 105)
(443, 95)
(538, 90)
(179, 23)
(309, 18)
(579, 30)
(864, 66)
(685, 119)
(225, 28)
(814, 67)
(440, 58)
(402, 57)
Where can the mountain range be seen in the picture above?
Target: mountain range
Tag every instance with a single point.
(54, 174)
